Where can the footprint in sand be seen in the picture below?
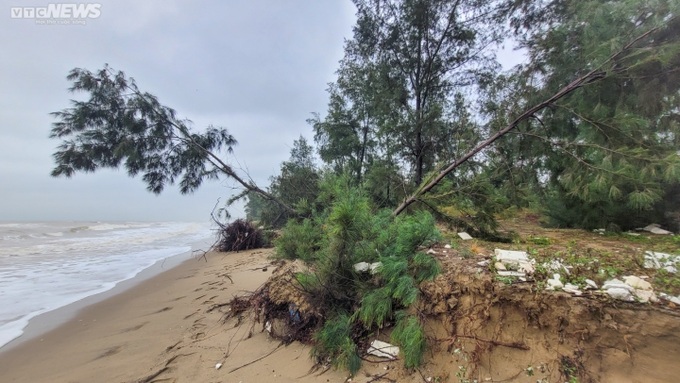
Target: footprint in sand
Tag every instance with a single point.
(111, 351)
(134, 328)
(175, 346)
(164, 309)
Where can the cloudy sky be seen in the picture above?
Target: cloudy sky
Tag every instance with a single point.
(256, 67)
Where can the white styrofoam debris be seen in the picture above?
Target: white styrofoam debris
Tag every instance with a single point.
(556, 265)
(616, 284)
(447, 246)
(655, 228)
(646, 296)
(655, 260)
(511, 255)
(637, 283)
(660, 231)
(499, 266)
(670, 298)
(620, 294)
(365, 266)
(505, 273)
(218, 366)
(573, 289)
(515, 260)
(431, 251)
(464, 236)
(554, 283)
(591, 283)
(383, 349)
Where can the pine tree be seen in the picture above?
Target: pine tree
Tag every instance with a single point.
(607, 153)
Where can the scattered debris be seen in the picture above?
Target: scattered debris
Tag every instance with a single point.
(447, 246)
(483, 263)
(554, 283)
(637, 282)
(365, 266)
(670, 298)
(633, 288)
(557, 265)
(620, 294)
(600, 231)
(590, 284)
(632, 234)
(465, 236)
(655, 228)
(293, 313)
(383, 350)
(668, 262)
(499, 266)
(218, 366)
(573, 289)
(515, 260)
(510, 273)
(431, 251)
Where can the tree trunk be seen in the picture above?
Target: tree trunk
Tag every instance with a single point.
(590, 77)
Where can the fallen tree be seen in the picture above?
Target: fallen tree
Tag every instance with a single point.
(121, 126)
(592, 76)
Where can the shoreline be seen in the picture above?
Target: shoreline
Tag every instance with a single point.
(165, 325)
(52, 319)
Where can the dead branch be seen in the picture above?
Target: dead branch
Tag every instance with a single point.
(256, 360)
(517, 345)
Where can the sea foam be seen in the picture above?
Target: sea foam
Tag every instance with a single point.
(45, 266)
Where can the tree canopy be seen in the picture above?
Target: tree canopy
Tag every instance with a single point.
(420, 112)
(121, 126)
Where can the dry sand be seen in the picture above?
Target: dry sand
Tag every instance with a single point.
(162, 330)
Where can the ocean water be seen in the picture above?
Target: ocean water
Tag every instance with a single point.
(48, 265)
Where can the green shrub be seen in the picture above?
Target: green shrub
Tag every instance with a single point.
(353, 303)
(299, 240)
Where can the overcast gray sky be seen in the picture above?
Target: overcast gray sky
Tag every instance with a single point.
(256, 67)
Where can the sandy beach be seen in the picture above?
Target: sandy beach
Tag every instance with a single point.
(162, 330)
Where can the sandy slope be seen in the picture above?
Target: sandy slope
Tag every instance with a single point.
(162, 330)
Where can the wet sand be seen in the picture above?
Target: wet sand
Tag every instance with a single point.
(162, 330)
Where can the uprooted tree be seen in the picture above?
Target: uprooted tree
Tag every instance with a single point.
(121, 126)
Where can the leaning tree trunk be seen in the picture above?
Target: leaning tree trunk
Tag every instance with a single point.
(590, 77)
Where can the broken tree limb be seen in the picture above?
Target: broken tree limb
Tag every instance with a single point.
(592, 76)
(586, 79)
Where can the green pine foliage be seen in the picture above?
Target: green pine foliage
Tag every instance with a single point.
(334, 343)
(409, 335)
(356, 303)
(299, 240)
(608, 152)
(376, 307)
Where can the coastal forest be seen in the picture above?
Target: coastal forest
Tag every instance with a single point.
(429, 132)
